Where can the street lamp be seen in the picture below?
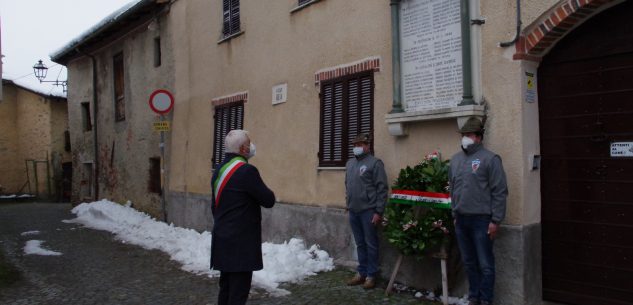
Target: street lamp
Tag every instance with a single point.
(40, 71)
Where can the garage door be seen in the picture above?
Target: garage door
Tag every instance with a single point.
(586, 112)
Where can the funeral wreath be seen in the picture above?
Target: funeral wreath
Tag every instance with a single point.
(417, 219)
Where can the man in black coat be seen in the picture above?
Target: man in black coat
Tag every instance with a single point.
(238, 195)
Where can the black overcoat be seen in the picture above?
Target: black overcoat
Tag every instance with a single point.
(236, 244)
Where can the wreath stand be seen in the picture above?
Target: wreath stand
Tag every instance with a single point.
(435, 200)
(442, 255)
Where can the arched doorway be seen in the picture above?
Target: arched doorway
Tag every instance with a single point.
(585, 105)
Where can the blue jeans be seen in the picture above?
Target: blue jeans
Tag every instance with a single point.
(476, 248)
(366, 237)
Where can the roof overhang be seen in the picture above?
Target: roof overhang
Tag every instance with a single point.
(51, 97)
(118, 24)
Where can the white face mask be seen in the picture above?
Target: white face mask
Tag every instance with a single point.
(466, 141)
(358, 150)
(251, 152)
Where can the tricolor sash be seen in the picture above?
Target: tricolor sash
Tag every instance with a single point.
(225, 173)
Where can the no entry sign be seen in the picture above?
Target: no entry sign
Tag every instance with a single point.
(161, 101)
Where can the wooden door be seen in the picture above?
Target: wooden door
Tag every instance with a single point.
(586, 104)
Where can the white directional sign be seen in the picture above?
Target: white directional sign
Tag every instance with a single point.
(622, 149)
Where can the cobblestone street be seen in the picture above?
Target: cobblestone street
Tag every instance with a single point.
(94, 268)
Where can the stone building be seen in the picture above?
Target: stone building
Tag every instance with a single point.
(34, 144)
(304, 76)
(112, 70)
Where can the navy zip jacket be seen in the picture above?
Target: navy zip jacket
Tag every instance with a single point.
(236, 244)
(478, 183)
(366, 184)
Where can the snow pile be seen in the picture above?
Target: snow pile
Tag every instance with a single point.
(185, 246)
(34, 232)
(287, 262)
(290, 262)
(35, 247)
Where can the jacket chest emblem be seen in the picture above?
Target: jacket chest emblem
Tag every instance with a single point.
(362, 170)
(475, 165)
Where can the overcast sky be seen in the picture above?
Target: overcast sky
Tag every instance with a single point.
(33, 29)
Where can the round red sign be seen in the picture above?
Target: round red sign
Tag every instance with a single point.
(161, 101)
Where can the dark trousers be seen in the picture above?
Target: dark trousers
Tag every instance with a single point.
(475, 246)
(234, 287)
(366, 238)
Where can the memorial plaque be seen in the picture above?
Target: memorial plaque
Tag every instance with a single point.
(430, 54)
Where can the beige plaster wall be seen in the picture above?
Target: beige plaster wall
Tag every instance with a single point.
(282, 47)
(512, 123)
(34, 127)
(11, 165)
(267, 54)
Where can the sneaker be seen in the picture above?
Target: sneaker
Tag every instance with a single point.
(356, 280)
(370, 283)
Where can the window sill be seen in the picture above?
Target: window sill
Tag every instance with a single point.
(300, 7)
(330, 168)
(397, 121)
(229, 37)
(435, 114)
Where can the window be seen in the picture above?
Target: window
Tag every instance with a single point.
(119, 88)
(231, 17)
(347, 108)
(85, 116)
(227, 117)
(301, 4)
(86, 181)
(67, 140)
(154, 176)
(157, 52)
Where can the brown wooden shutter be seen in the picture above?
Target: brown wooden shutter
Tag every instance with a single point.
(366, 102)
(154, 176)
(346, 110)
(332, 124)
(227, 118)
(119, 88)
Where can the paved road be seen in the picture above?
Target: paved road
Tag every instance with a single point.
(97, 269)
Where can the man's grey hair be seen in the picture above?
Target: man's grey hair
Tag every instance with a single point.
(234, 139)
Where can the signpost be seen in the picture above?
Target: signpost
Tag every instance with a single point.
(162, 101)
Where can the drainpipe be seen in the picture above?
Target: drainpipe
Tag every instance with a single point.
(95, 112)
(516, 37)
(395, 56)
(467, 95)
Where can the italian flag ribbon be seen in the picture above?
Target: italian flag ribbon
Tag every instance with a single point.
(427, 199)
(225, 173)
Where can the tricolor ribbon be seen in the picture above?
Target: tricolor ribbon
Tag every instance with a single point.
(225, 173)
(427, 199)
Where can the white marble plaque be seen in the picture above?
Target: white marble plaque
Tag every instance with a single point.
(430, 54)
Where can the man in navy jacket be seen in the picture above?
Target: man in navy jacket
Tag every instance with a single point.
(478, 199)
(238, 195)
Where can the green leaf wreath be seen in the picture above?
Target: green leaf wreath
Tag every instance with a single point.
(415, 230)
